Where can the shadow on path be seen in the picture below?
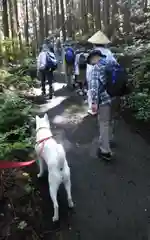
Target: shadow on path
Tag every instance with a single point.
(112, 200)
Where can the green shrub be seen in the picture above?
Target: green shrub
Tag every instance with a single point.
(140, 104)
(139, 101)
(15, 124)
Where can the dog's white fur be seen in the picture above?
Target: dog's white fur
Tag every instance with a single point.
(54, 156)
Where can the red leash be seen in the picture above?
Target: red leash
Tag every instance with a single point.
(8, 164)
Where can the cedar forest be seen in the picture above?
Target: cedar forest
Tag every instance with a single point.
(24, 24)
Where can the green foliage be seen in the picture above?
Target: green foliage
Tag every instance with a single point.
(15, 124)
(17, 80)
(11, 51)
(139, 101)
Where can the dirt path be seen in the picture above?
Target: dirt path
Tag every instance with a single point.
(112, 200)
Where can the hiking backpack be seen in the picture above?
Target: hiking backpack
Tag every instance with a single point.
(82, 61)
(117, 83)
(51, 62)
(70, 56)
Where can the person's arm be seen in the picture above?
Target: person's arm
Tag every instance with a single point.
(97, 82)
(41, 61)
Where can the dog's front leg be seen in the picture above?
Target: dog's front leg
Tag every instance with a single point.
(41, 168)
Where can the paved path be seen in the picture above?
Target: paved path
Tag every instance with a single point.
(112, 200)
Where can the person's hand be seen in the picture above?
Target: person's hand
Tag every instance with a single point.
(94, 107)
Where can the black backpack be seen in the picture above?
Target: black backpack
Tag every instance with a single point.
(117, 81)
(82, 61)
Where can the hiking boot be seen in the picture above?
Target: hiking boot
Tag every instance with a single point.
(50, 95)
(90, 112)
(104, 156)
(44, 94)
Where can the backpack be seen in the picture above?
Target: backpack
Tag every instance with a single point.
(82, 61)
(51, 62)
(117, 83)
(70, 56)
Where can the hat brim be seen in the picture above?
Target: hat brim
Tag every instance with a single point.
(99, 38)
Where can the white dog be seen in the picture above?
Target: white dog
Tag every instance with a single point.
(53, 154)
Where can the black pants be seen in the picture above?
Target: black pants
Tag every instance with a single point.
(46, 75)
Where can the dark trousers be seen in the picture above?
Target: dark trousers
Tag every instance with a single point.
(46, 75)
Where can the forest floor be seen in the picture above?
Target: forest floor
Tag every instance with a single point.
(111, 200)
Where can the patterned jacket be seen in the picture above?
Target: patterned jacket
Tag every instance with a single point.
(96, 84)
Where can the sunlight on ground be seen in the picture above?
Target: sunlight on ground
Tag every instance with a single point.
(71, 115)
(57, 86)
(51, 104)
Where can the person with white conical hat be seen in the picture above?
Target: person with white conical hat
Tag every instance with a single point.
(100, 42)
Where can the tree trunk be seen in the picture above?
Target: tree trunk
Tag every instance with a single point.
(97, 13)
(33, 3)
(84, 16)
(5, 19)
(63, 27)
(90, 7)
(41, 22)
(106, 14)
(17, 21)
(46, 20)
(126, 17)
(52, 17)
(57, 14)
(12, 19)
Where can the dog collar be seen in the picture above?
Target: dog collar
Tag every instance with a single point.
(43, 140)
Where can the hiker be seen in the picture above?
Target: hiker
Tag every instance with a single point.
(100, 42)
(69, 65)
(46, 64)
(80, 71)
(109, 82)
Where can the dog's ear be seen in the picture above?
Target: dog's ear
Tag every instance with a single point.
(46, 117)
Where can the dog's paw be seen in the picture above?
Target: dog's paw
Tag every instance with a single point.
(39, 175)
(55, 218)
(70, 203)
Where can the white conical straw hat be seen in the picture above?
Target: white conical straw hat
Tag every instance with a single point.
(99, 38)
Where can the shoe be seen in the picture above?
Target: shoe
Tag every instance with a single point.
(91, 112)
(80, 93)
(44, 94)
(50, 95)
(105, 156)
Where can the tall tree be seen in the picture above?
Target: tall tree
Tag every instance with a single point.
(52, 16)
(63, 19)
(57, 15)
(97, 13)
(106, 14)
(46, 19)
(17, 22)
(41, 22)
(12, 19)
(84, 14)
(5, 18)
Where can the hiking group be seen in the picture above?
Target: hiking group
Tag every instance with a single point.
(96, 75)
